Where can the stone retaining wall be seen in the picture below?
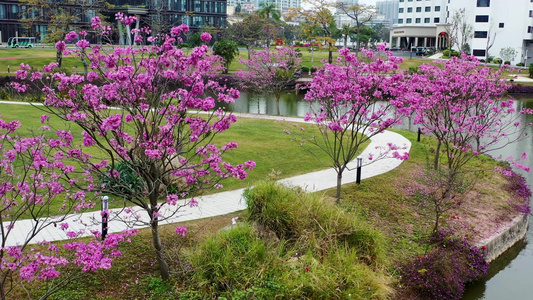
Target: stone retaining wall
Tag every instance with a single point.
(506, 237)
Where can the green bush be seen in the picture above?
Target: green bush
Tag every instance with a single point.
(413, 70)
(530, 70)
(446, 53)
(520, 64)
(497, 61)
(490, 59)
(309, 221)
(507, 62)
(456, 53)
(322, 252)
(232, 260)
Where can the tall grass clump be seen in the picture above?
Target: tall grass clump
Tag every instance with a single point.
(293, 245)
(310, 221)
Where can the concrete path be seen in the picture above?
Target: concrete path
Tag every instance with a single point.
(219, 203)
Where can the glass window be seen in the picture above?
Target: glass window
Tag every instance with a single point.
(401, 10)
(428, 8)
(483, 3)
(409, 20)
(482, 19)
(409, 9)
(479, 52)
(501, 25)
(480, 34)
(437, 8)
(419, 9)
(417, 20)
(427, 20)
(400, 21)
(436, 20)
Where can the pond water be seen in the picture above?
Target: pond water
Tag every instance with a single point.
(511, 275)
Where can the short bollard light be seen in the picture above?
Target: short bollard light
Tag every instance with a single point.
(419, 134)
(105, 206)
(359, 166)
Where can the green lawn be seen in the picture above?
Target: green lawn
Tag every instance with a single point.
(263, 141)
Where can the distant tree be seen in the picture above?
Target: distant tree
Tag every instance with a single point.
(460, 31)
(228, 50)
(269, 11)
(247, 32)
(508, 54)
(270, 71)
(319, 22)
(361, 14)
(346, 32)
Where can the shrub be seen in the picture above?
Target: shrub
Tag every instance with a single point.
(446, 53)
(443, 272)
(497, 61)
(413, 70)
(482, 60)
(490, 59)
(327, 256)
(518, 185)
(310, 222)
(455, 53)
(507, 62)
(530, 70)
(230, 260)
(520, 64)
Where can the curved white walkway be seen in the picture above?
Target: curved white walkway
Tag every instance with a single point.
(224, 202)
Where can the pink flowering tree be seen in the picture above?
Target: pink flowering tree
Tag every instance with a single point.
(460, 103)
(356, 98)
(35, 194)
(270, 72)
(151, 112)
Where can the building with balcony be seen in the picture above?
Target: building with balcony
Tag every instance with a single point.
(496, 24)
(499, 24)
(160, 15)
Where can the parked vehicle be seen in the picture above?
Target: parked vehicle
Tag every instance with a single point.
(26, 42)
(421, 51)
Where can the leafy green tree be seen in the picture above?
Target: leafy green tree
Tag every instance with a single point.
(228, 50)
(269, 11)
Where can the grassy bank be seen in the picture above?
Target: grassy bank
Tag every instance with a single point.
(263, 141)
(294, 245)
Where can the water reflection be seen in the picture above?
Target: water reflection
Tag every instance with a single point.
(291, 104)
(511, 275)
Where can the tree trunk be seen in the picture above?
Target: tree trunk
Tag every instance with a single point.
(277, 103)
(160, 252)
(59, 58)
(312, 53)
(345, 41)
(330, 56)
(437, 155)
(339, 186)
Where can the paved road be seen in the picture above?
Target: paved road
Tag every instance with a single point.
(219, 203)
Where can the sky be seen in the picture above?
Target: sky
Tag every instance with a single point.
(370, 2)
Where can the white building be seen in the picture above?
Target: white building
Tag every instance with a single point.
(505, 23)
(420, 23)
(500, 23)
